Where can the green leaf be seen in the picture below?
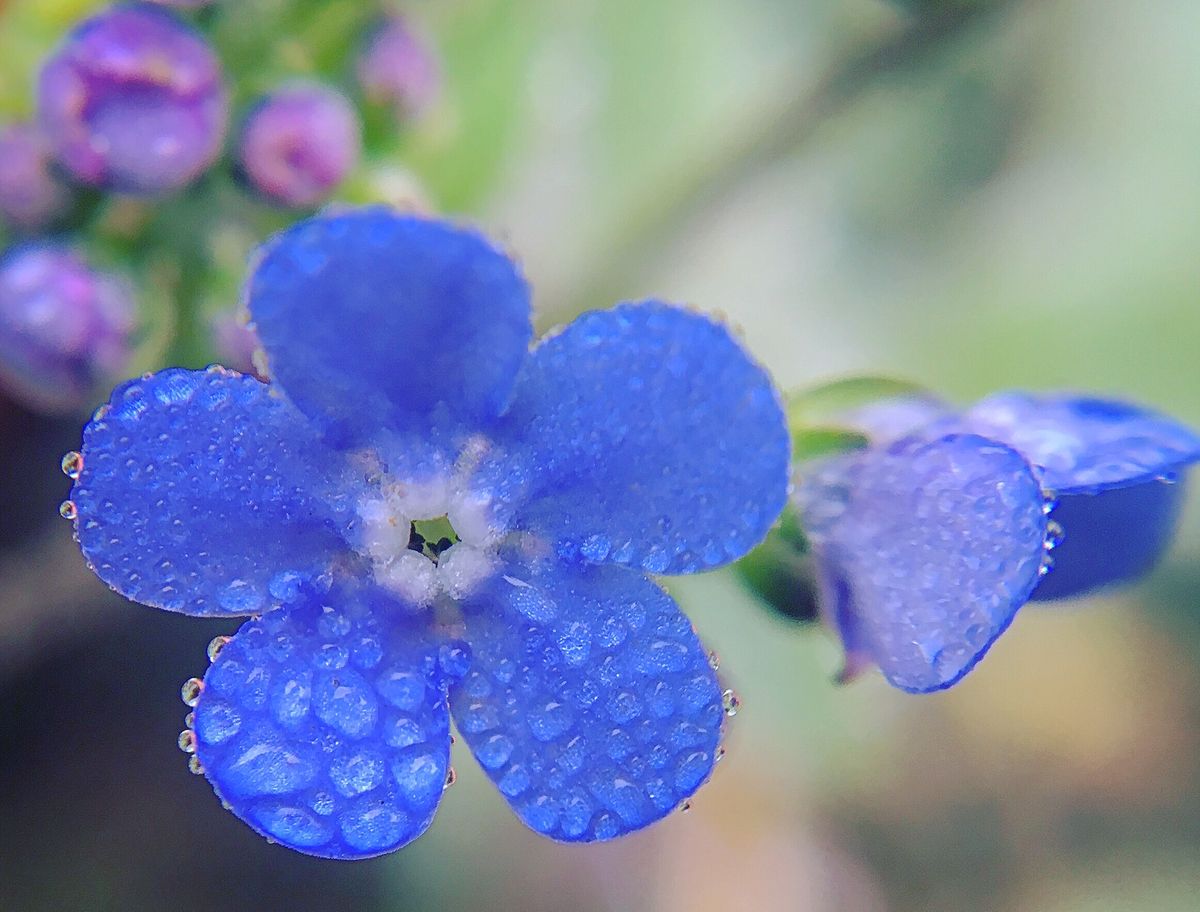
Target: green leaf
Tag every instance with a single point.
(824, 405)
(816, 442)
(780, 572)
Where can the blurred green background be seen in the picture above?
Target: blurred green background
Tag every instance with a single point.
(976, 195)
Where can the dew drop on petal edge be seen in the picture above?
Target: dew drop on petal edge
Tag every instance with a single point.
(215, 645)
(191, 690)
(731, 702)
(187, 741)
(72, 464)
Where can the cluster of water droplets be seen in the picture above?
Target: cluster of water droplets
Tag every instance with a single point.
(190, 694)
(731, 704)
(72, 467)
(1055, 534)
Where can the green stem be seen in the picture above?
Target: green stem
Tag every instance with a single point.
(189, 346)
(177, 238)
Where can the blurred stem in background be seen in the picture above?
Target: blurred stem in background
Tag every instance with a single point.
(780, 127)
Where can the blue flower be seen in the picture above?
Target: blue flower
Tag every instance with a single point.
(639, 440)
(929, 540)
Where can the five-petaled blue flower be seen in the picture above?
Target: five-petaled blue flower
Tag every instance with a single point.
(930, 540)
(639, 440)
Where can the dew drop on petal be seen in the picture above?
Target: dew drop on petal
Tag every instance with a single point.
(67, 509)
(451, 777)
(685, 807)
(191, 690)
(216, 644)
(714, 661)
(731, 702)
(187, 741)
(1054, 535)
(195, 767)
(189, 720)
(72, 464)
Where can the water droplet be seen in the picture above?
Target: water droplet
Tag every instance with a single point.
(195, 767)
(685, 807)
(215, 645)
(731, 702)
(455, 658)
(719, 755)
(72, 464)
(1054, 536)
(191, 690)
(67, 509)
(187, 741)
(714, 661)
(190, 720)
(451, 777)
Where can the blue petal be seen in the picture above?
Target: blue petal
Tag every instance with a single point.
(655, 442)
(325, 726)
(1082, 444)
(888, 420)
(926, 551)
(376, 321)
(590, 701)
(1113, 467)
(1111, 536)
(198, 491)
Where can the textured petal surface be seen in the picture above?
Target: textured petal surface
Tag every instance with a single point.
(324, 726)
(198, 490)
(1111, 536)
(373, 320)
(1085, 444)
(590, 701)
(927, 551)
(656, 442)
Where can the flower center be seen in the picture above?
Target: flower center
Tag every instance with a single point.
(415, 551)
(431, 537)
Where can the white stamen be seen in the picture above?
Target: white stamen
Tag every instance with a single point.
(470, 513)
(461, 568)
(412, 576)
(424, 500)
(385, 532)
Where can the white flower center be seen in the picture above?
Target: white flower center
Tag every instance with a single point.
(416, 570)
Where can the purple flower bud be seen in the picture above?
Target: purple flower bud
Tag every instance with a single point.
(299, 143)
(398, 68)
(133, 100)
(64, 327)
(31, 197)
